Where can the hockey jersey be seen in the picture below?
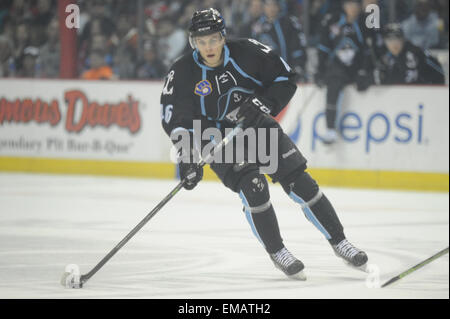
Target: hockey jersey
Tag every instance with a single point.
(195, 91)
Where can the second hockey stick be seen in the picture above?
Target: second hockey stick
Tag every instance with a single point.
(412, 269)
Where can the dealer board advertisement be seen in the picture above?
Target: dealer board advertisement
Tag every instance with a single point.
(401, 128)
(83, 120)
(397, 128)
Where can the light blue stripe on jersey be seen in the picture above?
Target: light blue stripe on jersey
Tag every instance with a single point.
(435, 66)
(338, 108)
(309, 214)
(226, 57)
(281, 39)
(358, 32)
(342, 20)
(297, 54)
(249, 217)
(323, 48)
(204, 67)
(281, 78)
(228, 95)
(202, 98)
(245, 75)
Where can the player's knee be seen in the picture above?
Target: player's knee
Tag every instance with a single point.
(254, 192)
(301, 185)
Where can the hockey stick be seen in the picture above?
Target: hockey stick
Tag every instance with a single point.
(71, 277)
(412, 269)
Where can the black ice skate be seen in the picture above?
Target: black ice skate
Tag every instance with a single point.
(287, 263)
(353, 256)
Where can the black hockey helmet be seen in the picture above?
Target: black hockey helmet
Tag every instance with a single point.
(393, 30)
(206, 22)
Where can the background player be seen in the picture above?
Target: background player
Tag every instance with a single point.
(343, 59)
(404, 63)
(220, 83)
(284, 34)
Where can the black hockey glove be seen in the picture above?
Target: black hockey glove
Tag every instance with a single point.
(363, 80)
(253, 112)
(190, 171)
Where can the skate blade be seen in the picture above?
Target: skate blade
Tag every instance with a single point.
(363, 268)
(298, 276)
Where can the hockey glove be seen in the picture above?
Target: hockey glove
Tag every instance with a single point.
(190, 171)
(363, 81)
(252, 113)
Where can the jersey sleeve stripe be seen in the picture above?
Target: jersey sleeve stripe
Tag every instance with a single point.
(245, 75)
(281, 78)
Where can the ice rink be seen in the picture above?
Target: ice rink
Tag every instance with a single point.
(201, 246)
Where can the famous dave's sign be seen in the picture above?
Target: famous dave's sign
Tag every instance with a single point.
(74, 119)
(80, 112)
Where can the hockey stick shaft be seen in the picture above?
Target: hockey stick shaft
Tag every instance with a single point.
(84, 278)
(419, 265)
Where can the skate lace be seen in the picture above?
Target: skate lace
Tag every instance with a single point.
(346, 249)
(284, 257)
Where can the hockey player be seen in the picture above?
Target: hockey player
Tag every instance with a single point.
(284, 34)
(404, 63)
(343, 58)
(224, 82)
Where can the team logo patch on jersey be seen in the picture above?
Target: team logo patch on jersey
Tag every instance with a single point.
(203, 88)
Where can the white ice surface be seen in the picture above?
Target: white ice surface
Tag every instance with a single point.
(200, 244)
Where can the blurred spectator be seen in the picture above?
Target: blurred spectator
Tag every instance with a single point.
(50, 52)
(99, 23)
(284, 35)
(255, 11)
(441, 7)
(7, 66)
(4, 7)
(422, 27)
(374, 38)
(125, 41)
(126, 34)
(111, 26)
(97, 42)
(21, 38)
(342, 60)
(99, 70)
(27, 64)
(319, 11)
(19, 10)
(151, 67)
(43, 13)
(405, 63)
(124, 62)
(171, 42)
(8, 27)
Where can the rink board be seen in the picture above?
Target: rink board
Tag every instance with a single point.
(391, 137)
(328, 177)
